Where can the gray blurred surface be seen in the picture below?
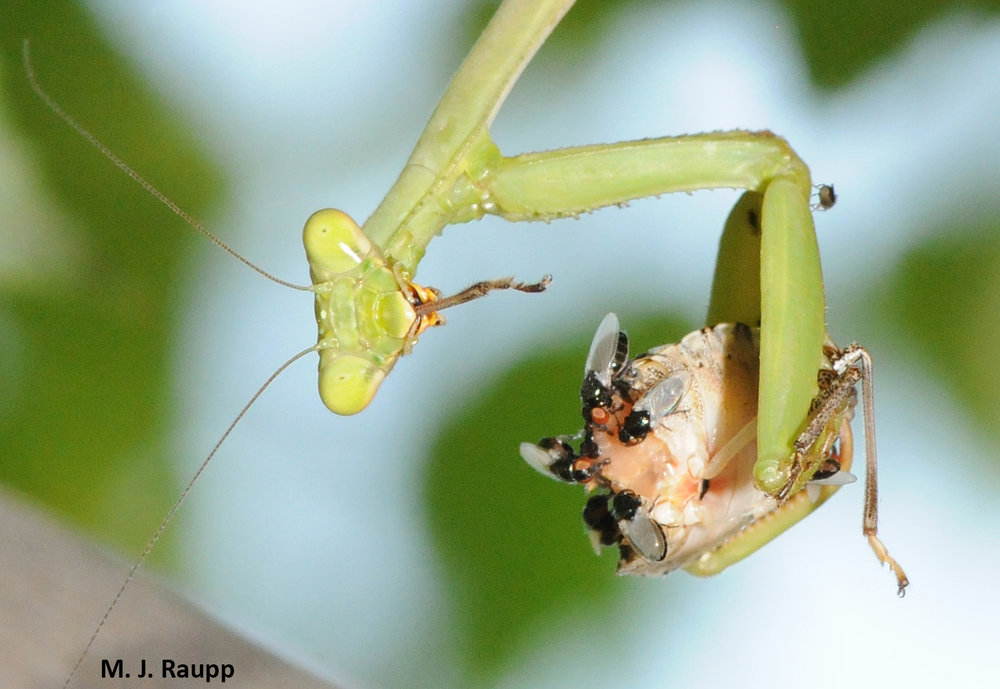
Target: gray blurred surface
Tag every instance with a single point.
(55, 589)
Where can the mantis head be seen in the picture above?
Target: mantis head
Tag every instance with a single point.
(368, 312)
(364, 311)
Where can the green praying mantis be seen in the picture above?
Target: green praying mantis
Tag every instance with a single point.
(370, 311)
(768, 271)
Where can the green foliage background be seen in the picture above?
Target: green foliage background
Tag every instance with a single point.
(85, 351)
(83, 354)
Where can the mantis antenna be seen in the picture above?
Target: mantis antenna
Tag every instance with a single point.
(124, 167)
(154, 539)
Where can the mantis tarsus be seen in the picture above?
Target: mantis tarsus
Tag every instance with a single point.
(370, 311)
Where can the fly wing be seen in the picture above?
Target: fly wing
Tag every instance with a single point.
(645, 535)
(841, 478)
(538, 459)
(603, 348)
(664, 397)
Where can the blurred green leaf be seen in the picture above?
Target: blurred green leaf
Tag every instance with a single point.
(943, 303)
(512, 543)
(82, 416)
(843, 40)
(840, 41)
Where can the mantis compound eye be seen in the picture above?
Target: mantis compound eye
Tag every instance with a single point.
(347, 383)
(334, 243)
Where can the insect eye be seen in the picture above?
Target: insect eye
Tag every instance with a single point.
(334, 243)
(347, 383)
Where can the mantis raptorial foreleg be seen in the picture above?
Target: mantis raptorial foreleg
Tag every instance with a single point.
(768, 274)
(456, 174)
(533, 186)
(792, 297)
(789, 281)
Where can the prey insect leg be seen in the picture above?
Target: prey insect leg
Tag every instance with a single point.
(859, 359)
(853, 365)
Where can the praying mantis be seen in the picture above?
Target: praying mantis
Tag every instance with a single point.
(768, 271)
(370, 311)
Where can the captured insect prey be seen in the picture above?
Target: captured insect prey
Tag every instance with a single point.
(669, 447)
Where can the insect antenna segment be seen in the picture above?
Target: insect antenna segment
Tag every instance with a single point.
(194, 223)
(52, 105)
(155, 538)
